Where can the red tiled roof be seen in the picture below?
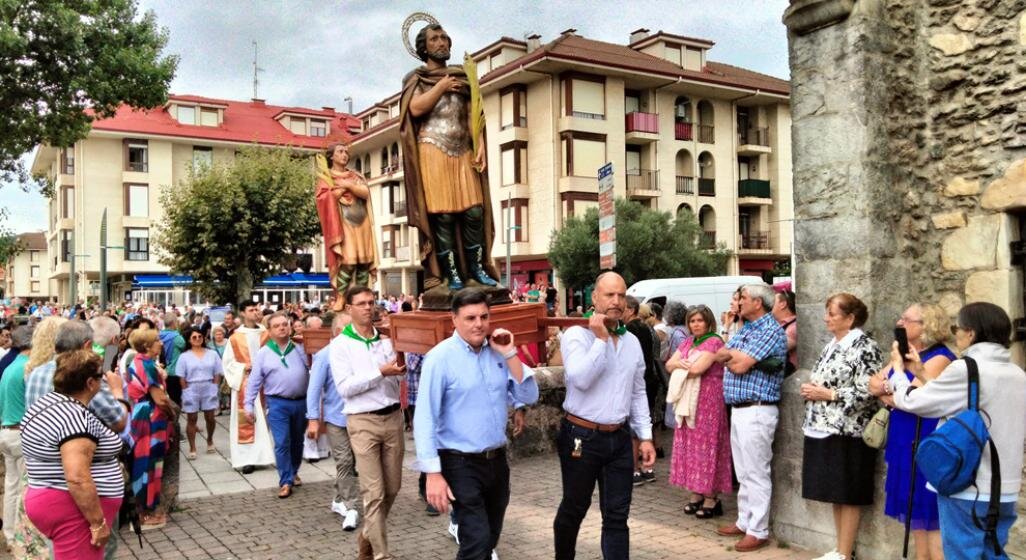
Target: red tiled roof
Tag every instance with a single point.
(35, 241)
(661, 34)
(244, 121)
(578, 49)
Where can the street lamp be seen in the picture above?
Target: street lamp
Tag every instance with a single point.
(103, 259)
(73, 296)
(510, 228)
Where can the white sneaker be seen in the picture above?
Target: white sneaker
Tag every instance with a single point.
(495, 556)
(454, 532)
(352, 519)
(339, 508)
(832, 555)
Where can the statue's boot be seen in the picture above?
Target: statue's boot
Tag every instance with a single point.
(474, 255)
(362, 275)
(447, 260)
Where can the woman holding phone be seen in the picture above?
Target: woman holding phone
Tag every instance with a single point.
(927, 330)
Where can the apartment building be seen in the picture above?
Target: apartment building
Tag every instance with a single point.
(684, 134)
(129, 159)
(24, 275)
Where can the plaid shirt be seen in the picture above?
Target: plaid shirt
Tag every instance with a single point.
(759, 339)
(103, 405)
(413, 362)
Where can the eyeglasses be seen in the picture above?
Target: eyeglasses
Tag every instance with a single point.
(905, 319)
(363, 304)
(956, 328)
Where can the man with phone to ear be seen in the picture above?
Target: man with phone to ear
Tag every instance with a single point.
(367, 376)
(460, 422)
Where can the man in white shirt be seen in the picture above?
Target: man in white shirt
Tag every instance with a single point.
(367, 377)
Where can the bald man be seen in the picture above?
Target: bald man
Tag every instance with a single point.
(605, 386)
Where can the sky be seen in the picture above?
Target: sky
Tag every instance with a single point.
(318, 53)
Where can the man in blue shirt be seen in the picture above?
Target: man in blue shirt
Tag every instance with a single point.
(752, 390)
(460, 422)
(323, 403)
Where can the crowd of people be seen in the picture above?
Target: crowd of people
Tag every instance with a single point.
(90, 399)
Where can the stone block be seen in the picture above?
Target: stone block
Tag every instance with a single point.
(951, 44)
(974, 246)
(959, 186)
(1022, 29)
(1008, 191)
(951, 302)
(966, 22)
(1001, 287)
(948, 220)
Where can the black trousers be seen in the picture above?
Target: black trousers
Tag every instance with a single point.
(608, 459)
(174, 389)
(471, 228)
(481, 489)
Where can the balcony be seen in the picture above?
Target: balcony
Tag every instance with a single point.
(706, 187)
(753, 142)
(399, 209)
(755, 242)
(641, 128)
(642, 183)
(684, 131)
(389, 169)
(706, 134)
(707, 240)
(754, 192)
(685, 185)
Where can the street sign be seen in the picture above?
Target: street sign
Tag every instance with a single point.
(607, 218)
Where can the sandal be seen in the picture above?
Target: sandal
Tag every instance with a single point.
(710, 512)
(211, 449)
(691, 507)
(296, 481)
(285, 491)
(192, 455)
(151, 522)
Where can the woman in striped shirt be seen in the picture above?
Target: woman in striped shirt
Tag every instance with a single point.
(75, 484)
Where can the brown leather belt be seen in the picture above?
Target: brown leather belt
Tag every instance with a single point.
(12, 427)
(589, 425)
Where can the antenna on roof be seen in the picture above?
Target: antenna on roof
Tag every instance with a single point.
(256, 81)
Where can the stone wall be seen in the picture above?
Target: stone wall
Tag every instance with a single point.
(542, 425)
(909, 146)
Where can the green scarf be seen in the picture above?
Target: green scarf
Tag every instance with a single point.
(618, 331)
(351, 333)
(277, 350)
(703, 338)
(99, 349)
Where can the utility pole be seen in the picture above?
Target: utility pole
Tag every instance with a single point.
(256, 69)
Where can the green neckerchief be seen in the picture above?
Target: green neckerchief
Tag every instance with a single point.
(351, 333)
(618, 331)
(99, 349)
(703, 338)
(277, 350)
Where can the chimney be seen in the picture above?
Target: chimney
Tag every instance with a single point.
(533, 42)
(638, 34)
(570, 31)
(257, 101)
(328, 109)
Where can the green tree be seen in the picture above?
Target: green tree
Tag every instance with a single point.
(649, 244)
(67, 63)
(10, 245)
(235, 223)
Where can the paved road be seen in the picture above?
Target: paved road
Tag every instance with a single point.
(226, 516)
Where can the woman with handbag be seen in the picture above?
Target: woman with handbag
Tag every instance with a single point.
(983, 334)
(838, 467)
(929, 330)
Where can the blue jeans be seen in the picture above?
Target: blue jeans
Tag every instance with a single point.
(481, 489)
(608, 459)
(286, 419)
(961, 538)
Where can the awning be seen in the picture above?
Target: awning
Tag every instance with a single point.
(276, 281)
(296, 279)
(160, 281)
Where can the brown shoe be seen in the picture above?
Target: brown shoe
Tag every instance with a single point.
(285, 491)
(296, 481)
(363, 548)
(750, 543)
(729, 531)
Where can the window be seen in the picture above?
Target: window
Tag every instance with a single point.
(514, 213)
(209, 117)
(583, 153)
(137, 244)
(66, 247)
(67, 202)
(34, 286)
(186, 115)
(513, 106)
(318, 128)
(202, 157)
(34, 270)
(672, 54)
(137, 200)
(34, 256)
(631, 101)
(384, 160)
(68, 161)
(297, 126)
(514, 162)
(137, 156)
(585, 96)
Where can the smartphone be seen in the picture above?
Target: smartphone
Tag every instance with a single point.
(501, 339)
(901, 336)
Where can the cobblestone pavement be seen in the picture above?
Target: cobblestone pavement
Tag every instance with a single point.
(250, 522)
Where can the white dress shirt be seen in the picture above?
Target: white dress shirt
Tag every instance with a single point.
(355, 367)
(605, 381)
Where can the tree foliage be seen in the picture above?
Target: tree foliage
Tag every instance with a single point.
(67, 63)
(236, 223)
(649, 244)
(10, 245)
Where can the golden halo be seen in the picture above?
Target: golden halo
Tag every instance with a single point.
(415, 16)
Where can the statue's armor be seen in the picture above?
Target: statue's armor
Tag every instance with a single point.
(356, 212)
(446, 125)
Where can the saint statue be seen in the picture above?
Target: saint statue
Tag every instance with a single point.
(444, 172)
(343, 204)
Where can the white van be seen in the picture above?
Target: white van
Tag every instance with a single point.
(712, 291)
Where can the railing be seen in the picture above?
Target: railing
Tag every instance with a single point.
(683, 131)
(642, 122)
(402, 254)
(706, 187)
(706, 133)
(754, 136)
(642, 180)
(759, 240)
(521, 123)
(583, 115)
(685, 184)
(708, 240)
(389, 169)
(386, 250)
(400, 208)
(753, 188)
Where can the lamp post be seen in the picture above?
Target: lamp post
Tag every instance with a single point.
(103, 260)
(510, 228)
(73, 283)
